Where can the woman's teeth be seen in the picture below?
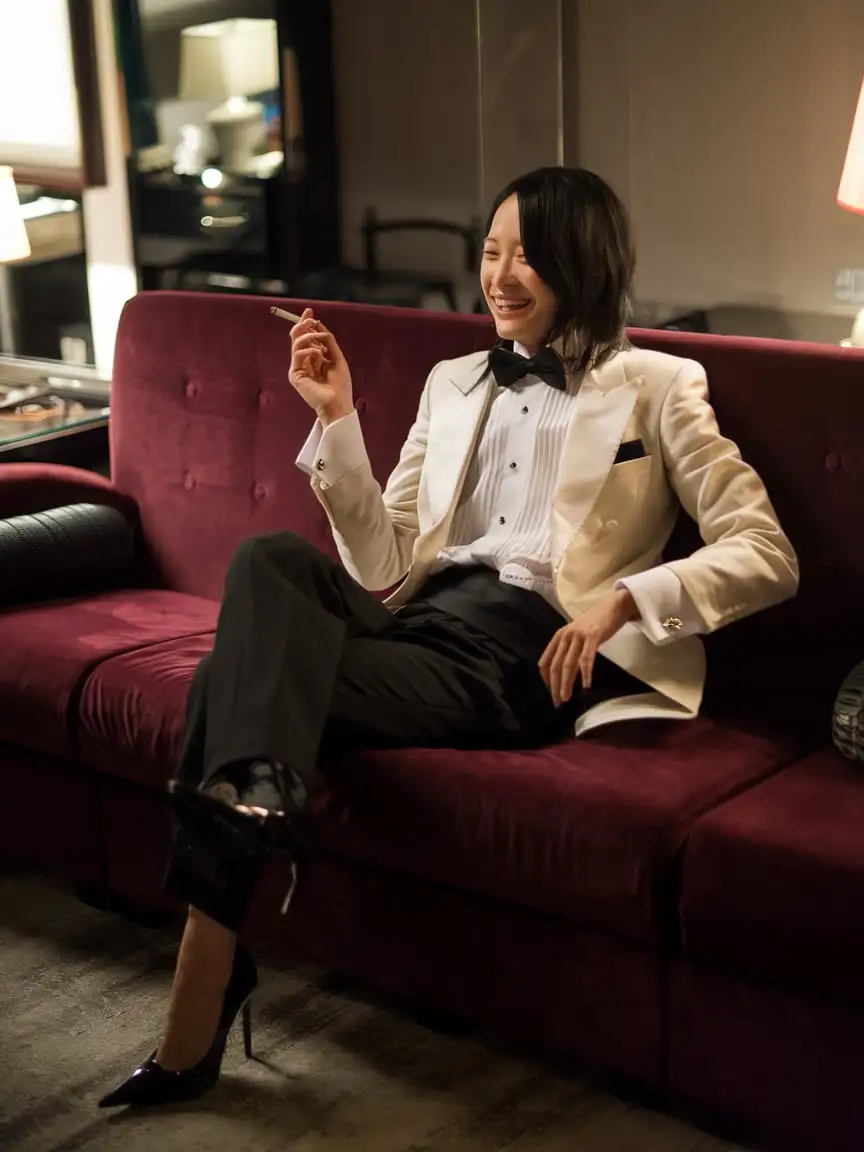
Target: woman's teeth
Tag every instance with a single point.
(511, 305)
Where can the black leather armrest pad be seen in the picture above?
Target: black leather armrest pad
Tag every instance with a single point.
(69, 551)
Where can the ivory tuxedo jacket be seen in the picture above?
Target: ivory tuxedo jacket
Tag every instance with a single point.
(609, 521)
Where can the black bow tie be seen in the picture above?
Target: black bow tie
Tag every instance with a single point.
(509, 367)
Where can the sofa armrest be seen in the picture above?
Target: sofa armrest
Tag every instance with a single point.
(28, 488)
(74, 550)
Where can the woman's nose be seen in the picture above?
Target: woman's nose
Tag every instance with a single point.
(503, 274)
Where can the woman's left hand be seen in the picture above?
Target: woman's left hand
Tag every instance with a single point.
(573, 648)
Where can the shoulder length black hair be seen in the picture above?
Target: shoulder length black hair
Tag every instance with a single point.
(576, 236)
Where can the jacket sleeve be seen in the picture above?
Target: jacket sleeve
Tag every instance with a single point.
(747, 562)
(374, 531)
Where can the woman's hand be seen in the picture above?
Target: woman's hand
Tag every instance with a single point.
(319, 371)
(572, 649)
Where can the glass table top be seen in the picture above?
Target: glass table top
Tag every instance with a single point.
(46, 411)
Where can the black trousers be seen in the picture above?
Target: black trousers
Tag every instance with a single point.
(307, 664)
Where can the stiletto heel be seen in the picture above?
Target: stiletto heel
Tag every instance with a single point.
(247, 1029)
(151, 1084)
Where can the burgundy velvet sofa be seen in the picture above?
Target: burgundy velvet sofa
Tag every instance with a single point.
(681, 904)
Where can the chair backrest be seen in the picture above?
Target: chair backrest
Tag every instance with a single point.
(206, 428)
(373, 228)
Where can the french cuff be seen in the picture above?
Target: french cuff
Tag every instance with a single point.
(331, 453)
(666, 610)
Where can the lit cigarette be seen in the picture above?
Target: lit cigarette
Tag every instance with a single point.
(283, 315)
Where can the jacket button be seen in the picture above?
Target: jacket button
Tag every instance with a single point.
(259, 491)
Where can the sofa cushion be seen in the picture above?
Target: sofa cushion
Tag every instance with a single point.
(132, 709)
(48, 650)
(587, 829)
(773, 881)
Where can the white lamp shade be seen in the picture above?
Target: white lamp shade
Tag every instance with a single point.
(228, 58)
(14, 244)
(851, 193)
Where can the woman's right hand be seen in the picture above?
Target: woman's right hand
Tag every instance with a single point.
(319, 371)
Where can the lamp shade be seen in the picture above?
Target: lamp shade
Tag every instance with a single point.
(228, 58)
(851, 193)
(14, 244)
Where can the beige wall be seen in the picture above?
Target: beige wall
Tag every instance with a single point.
(724, 126)
(406, 82)
(409, 92)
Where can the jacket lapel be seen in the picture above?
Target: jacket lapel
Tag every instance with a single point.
(603, 408)
(454, 435)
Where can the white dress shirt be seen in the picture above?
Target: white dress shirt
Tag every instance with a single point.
(503, 517)
(502, 520)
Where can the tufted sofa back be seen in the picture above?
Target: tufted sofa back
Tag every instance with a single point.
(206, 427)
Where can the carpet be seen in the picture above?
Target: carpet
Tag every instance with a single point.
(82, 995)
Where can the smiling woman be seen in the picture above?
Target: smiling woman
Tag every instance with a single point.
(554, 275)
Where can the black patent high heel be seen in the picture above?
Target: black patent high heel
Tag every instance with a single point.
(150, 1084)
(284, 826)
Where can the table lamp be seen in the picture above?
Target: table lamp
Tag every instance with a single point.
(14, 244)
(850, 195)
(231, 60)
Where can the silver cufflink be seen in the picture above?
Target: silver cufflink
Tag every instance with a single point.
(320, 465)
(672, 624)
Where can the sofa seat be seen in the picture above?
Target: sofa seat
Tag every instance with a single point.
(49, 649)
(773, 882)
(587, 829)
(133, 707)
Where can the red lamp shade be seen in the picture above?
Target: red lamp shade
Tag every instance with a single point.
(851, 192)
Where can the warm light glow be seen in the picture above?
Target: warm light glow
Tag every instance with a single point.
(851, 192)
(211, 177)
(14, 244)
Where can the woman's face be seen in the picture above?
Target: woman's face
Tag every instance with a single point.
(522, 305)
